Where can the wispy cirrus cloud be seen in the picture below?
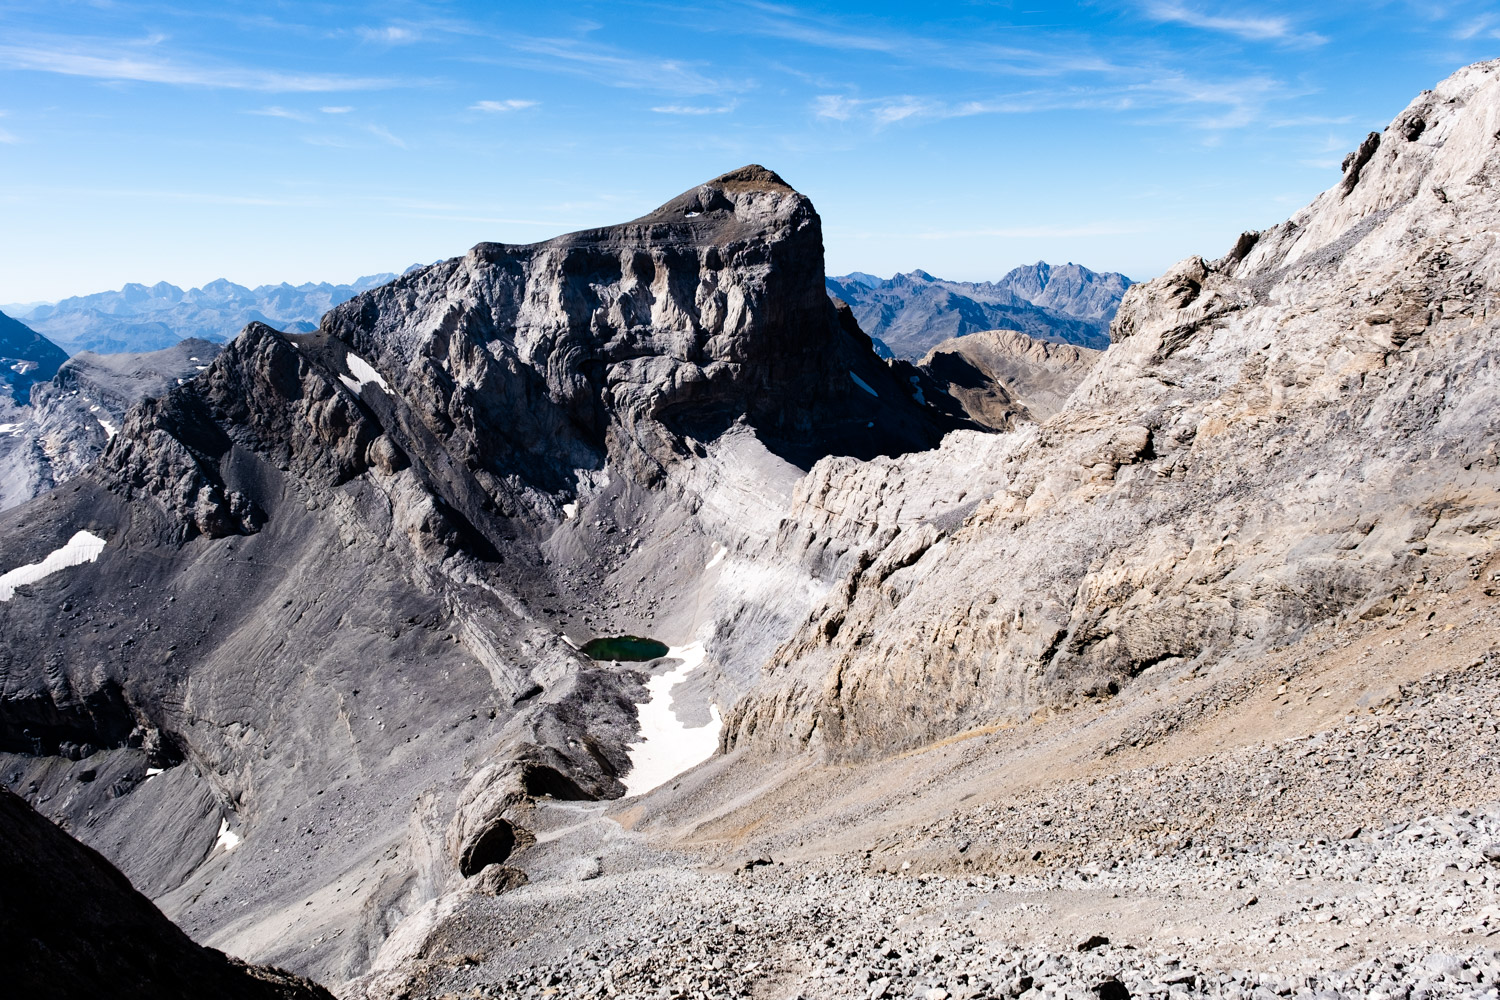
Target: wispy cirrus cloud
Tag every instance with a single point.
(618, 68)
(391, 34)
(279, 112)
(1484, 26)
(694, 109)
(1250, 27)
(343, 109)
(385, 135)
(1166, 96)
(1050, 57)
(500, 107)
(124, 62)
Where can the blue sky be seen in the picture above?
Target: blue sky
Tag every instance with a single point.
(315, 141)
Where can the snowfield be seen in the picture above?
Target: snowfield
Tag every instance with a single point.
(84, 547)
(364, 373)
(667, 747)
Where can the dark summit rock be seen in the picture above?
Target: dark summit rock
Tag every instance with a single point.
(73, 927)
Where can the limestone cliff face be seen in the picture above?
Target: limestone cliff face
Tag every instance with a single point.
(1302, 429)
(625, 343)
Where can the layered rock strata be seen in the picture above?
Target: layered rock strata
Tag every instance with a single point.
(1299, 430)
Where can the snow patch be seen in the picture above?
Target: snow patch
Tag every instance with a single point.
(109, 427)
(719, 555)
(667, 747)
(693, 215)
(364, 373)
(8, 428)
(84, 547)
(228, 839)
(864, 385)
(570, 510)
(152, 772)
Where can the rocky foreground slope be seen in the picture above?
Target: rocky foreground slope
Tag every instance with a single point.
(1303, 427)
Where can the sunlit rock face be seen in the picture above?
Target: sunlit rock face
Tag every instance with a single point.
(1301, 429)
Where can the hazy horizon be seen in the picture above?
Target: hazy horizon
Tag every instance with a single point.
(189, 142)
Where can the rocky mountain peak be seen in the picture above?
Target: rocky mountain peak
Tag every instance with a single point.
(634, 340)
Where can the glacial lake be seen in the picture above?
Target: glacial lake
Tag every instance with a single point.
(624, 647)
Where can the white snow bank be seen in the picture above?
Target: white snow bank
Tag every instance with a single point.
(109, 428)
(864, 385)
(364, 373)
(83, 547)
(7, 428)
(228, 839)
(667, 747)
(570, 510)
(718, 556)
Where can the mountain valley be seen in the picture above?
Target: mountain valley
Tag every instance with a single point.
(1055, 655)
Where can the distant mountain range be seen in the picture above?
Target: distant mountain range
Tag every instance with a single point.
(140, 318)
(909, 314)
(26, 358)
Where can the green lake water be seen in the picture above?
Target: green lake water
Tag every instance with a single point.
(624, 647)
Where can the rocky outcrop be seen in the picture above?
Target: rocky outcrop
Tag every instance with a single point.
(1000, 377)
(70, 419)
(1297, 431)
(909, 314)
(75, 927)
